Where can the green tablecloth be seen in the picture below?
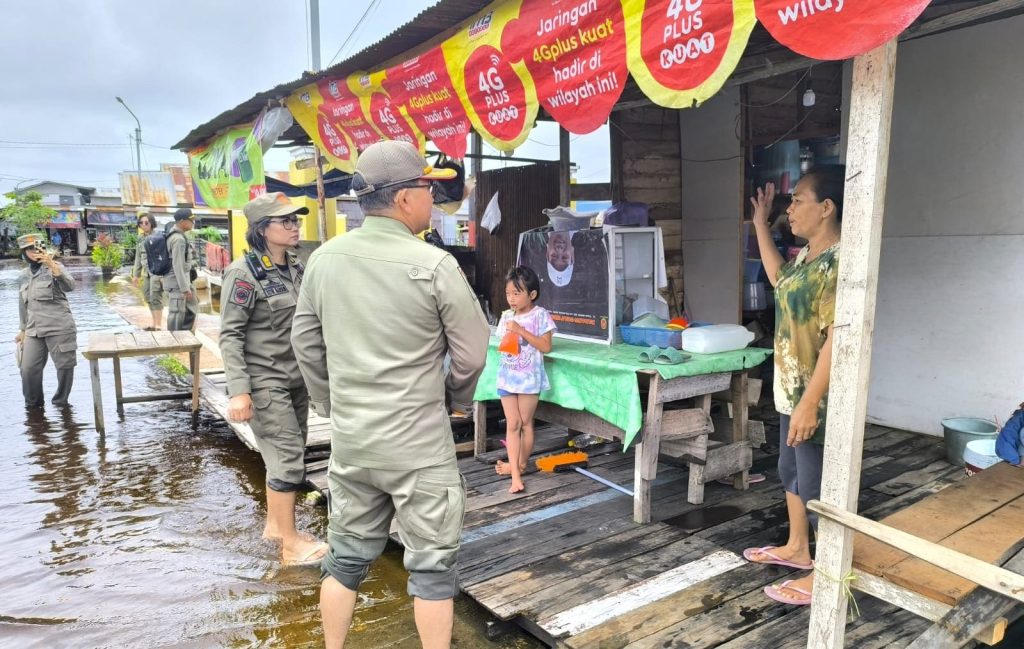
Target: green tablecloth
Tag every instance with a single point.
(602, 380)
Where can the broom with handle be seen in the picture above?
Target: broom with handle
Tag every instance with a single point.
(575, 461)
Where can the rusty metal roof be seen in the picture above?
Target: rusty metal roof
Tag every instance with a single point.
(439, 21)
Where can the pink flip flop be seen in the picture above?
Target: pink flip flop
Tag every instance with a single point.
(752, 478)
(776, 560)
(775, 592)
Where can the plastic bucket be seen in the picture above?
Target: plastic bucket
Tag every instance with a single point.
(980, 455)
(958, 431)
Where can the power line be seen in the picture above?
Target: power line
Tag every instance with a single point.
(348, 38)
(27, 144)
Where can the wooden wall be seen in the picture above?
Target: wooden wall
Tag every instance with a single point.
(646, 169)
(522, 193)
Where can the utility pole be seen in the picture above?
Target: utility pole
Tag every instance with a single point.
(314, 41)
(138, 148)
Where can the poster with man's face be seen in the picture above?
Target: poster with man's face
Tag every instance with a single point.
(573, 272)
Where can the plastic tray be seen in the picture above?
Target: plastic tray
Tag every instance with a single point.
(647, 336)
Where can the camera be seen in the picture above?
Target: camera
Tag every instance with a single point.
(38, 246)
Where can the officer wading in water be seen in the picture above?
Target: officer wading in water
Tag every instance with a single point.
(263, 379)
(47, 326)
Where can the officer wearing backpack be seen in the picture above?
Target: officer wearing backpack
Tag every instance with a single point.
(152, 285)
(179, 282)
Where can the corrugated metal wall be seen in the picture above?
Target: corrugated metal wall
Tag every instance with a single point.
(522, 193)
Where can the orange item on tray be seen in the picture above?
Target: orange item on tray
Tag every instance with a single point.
(509, 344)
(678, 323)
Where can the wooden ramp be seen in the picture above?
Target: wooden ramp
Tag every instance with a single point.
(566, 561)
(318, 442)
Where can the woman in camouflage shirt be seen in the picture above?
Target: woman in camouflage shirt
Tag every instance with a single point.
(805, 298)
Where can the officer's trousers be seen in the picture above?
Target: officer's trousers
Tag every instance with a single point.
(63, 349)
(181, 312)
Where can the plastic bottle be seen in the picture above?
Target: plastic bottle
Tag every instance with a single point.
(587, 440)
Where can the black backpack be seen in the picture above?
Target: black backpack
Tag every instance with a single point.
(158, 257)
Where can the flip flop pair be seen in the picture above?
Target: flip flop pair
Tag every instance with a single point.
(666, 356)
(773, 559)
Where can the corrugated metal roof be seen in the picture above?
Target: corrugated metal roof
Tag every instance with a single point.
(435, 23)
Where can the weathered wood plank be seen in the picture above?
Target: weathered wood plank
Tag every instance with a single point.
(704, 615)
(867, 171)
(987, 539)
(592, 613)
(980, 572)
(693, 386)
(689, 422)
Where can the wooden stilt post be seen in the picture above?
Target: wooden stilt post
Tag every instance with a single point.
(866, 174)
(564, 171)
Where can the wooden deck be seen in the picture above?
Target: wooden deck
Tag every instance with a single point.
(566, 561)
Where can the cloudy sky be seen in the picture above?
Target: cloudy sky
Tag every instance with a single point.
(176, 65)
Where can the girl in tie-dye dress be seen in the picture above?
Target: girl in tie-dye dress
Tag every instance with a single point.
(521, 375)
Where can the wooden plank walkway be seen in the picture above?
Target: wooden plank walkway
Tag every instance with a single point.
(566, 562)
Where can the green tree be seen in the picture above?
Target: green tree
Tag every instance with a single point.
(26, 211)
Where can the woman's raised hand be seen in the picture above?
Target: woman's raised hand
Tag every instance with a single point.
(763, 203)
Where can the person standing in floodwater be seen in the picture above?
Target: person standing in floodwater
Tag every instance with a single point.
(263, 378)
(47, 325)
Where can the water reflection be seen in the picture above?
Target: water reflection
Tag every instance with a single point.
(150, 535)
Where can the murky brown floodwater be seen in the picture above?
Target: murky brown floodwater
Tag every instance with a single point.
(149, 536)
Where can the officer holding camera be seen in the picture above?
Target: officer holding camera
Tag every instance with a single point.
(47, 326)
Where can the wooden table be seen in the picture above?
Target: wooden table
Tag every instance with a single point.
(684, 433)
(116, 346)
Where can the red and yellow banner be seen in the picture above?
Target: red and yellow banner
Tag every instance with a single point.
(572, 57)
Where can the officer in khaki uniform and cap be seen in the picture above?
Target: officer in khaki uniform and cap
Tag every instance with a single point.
(263, 379)
(47, 326)
(378, 310)
(152, 285)
(182, 303)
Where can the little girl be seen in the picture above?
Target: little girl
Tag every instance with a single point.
(521, 376)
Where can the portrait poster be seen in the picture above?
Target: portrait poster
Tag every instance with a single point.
(572, 267)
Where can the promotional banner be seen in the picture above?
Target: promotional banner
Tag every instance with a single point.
(576, 53)
(572, 57)
(573, 272)
(228, 172)
(497, 94)
(156, 188)
(836, 29)
(682, 51)
(422, 88)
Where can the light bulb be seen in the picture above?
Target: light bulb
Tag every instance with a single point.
(809, 98)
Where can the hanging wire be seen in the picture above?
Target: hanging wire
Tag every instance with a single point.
(348, 38)
(784, 95)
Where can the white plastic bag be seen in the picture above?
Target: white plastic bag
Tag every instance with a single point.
(270, 125)
(492, 215)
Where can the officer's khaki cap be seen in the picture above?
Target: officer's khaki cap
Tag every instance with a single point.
(392, 162)
(30, 240)
(268, 205)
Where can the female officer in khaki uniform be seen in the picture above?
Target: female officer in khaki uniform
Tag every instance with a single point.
(152, 285)
(47, 326)
(263, 379)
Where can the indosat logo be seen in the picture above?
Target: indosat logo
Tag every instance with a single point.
(481, 26)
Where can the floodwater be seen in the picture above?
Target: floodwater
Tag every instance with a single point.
(149, 535)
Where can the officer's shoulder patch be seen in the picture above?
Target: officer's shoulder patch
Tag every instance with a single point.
(241, 292)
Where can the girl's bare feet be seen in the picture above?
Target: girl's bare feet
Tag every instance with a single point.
(517, 486)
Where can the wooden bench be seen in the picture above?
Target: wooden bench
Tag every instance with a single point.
(969, 528)
(116, 346)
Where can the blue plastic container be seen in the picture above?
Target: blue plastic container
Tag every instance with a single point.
(647, 336)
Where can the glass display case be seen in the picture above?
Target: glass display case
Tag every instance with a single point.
(634, 260)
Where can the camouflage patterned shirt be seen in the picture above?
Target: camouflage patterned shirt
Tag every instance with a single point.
(805, 307)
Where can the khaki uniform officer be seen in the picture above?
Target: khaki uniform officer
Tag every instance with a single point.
(179, 283)
(152, 285)
(378, 311)
(263, 379)
(47, 326)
